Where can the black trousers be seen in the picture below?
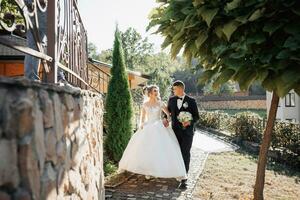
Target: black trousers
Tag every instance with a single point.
(185, 140)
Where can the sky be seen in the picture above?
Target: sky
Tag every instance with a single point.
(100, 18)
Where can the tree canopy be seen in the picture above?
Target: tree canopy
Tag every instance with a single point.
(241, 40)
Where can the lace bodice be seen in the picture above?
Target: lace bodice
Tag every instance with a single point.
(153, 113)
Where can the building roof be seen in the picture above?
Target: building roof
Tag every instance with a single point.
(137, 79)
(110, 66)
(7, 52)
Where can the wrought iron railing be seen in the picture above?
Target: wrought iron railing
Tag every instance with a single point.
(66, 36)
(98, 79)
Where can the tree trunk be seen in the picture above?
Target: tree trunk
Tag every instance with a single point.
(263, 152)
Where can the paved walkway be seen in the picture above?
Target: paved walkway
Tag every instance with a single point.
(137, 187)
(211, 143)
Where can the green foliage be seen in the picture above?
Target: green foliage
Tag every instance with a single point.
(106, 56)
(10, 13)
(118, 105)
(249, 126)
(135, 47)
(109, 168)
(287, 137)
(225, 89)
(190, 77)
(216, 119)
(210, 119)
(261, 112)
(92, 51)
(240, 40)
(139, 56)
(161, 67)
(257, 89)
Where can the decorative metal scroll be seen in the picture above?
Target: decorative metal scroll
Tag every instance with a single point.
(72, 45)
(28, 12)
(98, 79)
(67, 43)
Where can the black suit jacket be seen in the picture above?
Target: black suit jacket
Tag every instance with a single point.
(191, 108)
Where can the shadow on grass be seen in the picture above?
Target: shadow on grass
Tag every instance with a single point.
(277, 167)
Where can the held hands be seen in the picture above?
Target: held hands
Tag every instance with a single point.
(141, 126)
(166, 122)
(186, 124)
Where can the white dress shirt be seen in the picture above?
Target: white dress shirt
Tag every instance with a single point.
(179, 102)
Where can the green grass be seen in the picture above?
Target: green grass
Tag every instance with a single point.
(261, 112)
(109, 168)
(231, 175)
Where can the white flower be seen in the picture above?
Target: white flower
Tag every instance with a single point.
(185, 105)
(185, 117)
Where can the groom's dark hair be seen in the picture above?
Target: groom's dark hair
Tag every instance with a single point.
(179, 84)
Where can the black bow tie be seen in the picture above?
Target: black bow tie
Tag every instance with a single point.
(179, 98)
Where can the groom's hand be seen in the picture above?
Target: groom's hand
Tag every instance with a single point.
(185, 124)
(166, 122)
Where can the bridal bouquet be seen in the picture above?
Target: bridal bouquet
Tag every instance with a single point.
(185, 117)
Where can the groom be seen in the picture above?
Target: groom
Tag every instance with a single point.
(183, 131)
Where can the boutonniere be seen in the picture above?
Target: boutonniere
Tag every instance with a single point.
(185, 105)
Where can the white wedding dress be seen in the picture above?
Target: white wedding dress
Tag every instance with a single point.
(153, 150)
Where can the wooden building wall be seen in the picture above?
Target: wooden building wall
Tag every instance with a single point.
(11, 68)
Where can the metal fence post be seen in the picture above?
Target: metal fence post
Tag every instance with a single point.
(52, 24)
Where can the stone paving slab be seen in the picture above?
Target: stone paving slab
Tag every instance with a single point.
(138, 188)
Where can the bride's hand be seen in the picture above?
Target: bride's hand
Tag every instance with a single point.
(165, 122)
(141, 126)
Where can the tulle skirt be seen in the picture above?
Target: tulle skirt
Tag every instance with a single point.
(153, 151)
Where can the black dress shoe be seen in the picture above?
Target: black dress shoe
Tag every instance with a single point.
(183, 184)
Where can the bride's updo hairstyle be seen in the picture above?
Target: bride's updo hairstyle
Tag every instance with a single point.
(145, 91)
(150, 89)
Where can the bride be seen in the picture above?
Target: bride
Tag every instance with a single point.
(153, 150)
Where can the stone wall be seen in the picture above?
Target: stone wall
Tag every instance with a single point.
(50, 142)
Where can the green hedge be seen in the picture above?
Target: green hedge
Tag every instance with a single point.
(248, 126)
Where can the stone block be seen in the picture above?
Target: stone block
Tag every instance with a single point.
(47, 108)
(9, 175)
(50, 145)
(69, 102)
(58, 116)
(29, 170)
(39, 141)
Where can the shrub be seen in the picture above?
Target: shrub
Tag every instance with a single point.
(287, 137)
(249, 126)
(118, 106)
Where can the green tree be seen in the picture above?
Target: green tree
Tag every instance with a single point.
(10, 14)
(118, 105)
(139, 55)
(256, 89)
(240, 40)
(135, 47)
(161, 68)
(106, 56)
(225, 89)
(189, 75)
(93, 51)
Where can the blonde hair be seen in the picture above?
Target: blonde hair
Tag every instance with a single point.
(150, 88)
